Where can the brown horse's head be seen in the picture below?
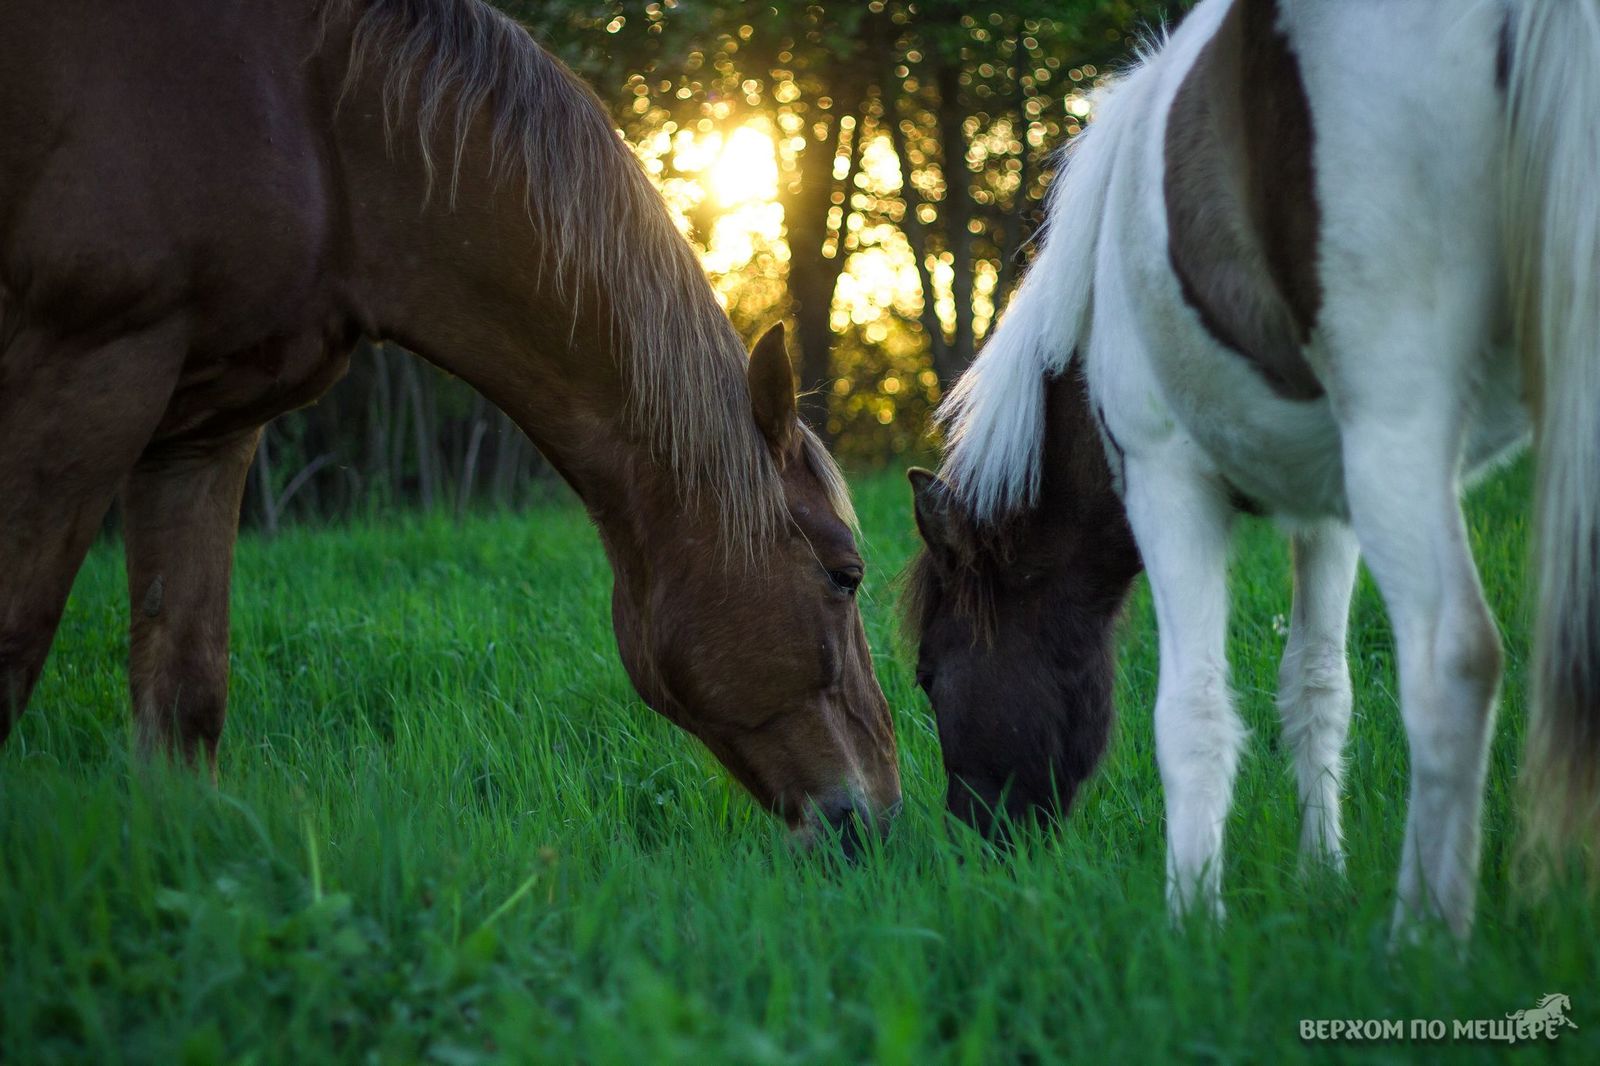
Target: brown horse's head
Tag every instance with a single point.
(763, 657)
(1014, 621)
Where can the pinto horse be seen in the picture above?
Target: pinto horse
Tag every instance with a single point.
(1321, 261)
(203, 207)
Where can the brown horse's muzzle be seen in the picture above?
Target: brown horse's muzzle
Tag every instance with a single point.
(848, 818)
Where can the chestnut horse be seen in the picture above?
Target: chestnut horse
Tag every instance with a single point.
(204, 206)
(1322, 261)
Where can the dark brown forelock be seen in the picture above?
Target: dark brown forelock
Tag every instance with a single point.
(968, 592)
(919, 591)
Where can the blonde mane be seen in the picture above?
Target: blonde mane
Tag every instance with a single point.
(451, 63)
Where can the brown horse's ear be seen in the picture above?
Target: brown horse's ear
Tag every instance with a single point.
(942, 529)
(772, 391)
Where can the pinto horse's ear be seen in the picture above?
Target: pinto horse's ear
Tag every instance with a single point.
(941, 527)
(772, 391)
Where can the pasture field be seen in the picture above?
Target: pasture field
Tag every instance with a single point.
(447, 831)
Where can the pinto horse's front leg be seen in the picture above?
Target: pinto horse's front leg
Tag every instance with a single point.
(1181, 522)
(182, 511)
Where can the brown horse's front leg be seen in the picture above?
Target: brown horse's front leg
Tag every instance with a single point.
(73, 418)
(182, 514)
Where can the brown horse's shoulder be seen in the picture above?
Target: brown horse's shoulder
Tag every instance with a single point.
(1242, 212)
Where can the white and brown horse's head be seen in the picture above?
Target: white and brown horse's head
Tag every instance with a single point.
(1013, 619)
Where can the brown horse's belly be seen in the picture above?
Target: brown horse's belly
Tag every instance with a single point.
(221, 394)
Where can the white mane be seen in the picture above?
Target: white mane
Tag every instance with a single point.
(994, 416)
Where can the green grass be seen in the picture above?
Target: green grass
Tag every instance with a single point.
(447, 831)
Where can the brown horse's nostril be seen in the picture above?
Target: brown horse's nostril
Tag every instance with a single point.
(854, 824)
(848, 822)
(845, 821)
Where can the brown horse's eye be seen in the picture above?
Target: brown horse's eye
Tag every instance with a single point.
(846, 580)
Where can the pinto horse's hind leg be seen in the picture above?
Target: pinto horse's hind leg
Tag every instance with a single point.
(1181, 522)
(182, 513)
(1402, 483)
(1314, 683)
(73, 419)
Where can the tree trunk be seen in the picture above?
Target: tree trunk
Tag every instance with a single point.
(1014, 228)
(911, 223)
(469, 464)
(958, 215)
(423, 435)
(812, 276)
(269, 511)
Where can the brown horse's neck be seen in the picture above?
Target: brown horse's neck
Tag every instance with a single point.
(511, 239)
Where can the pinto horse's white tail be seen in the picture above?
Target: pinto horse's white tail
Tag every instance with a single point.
(994, 416)
(1553, 227)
